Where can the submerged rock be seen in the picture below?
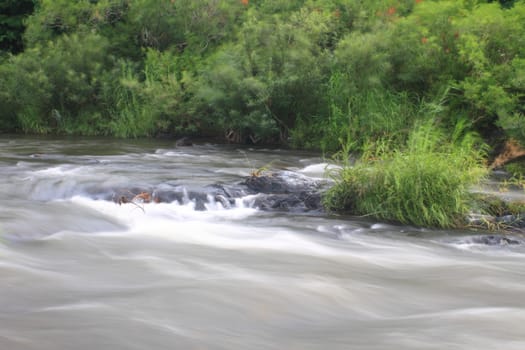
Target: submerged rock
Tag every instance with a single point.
(510, 222)
(183, 142)
(495, 240)
(284, 191)
(489, 240)
(301, 202)
(282, 182)
(516, 221)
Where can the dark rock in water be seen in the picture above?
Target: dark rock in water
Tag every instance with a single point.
(92, 161)
(265, 184)
(225, 202)
(182, 197)
(200, 201)
(165, 196)
(290, 202)
(118, 194)
(230, 192)
(511, 223)
(183, 142)
(495, 240)
(515, 221)
(282, 182)
(285, 191)
(500, 175)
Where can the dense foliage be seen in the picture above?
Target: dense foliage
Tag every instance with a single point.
(309, 73)
(12, 14)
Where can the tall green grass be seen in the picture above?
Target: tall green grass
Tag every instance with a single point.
(424, 183)
(131, 114)
(364, 115)
(32, 121)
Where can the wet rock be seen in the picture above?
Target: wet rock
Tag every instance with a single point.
(282, 182)
(92, 161)
(515, 221)
(480, 220)
(118, 195)
(500, 175)
(286, 191)
(182, 197)
(228, 191)
(226, 203)
(167, 196)
(200, 202)
(289, 202)
(511, 223)
(493, 240)
(183, 142)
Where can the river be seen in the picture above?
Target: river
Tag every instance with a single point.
(80, 272)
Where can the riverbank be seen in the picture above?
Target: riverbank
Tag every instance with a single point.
(347, 75)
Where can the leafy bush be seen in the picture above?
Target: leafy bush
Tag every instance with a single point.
(13, 14)
(54, 18)
(57, 86)
(148, 101)
(318, 73)
(128, 111)
(270, 77)
(426, 183)
(493, 48)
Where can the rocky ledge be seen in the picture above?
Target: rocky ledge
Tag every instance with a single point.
(280, 191)
(283, 191)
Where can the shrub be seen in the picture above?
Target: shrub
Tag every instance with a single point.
(271, 77)
(48, 87)
(128, 111)
(12, 24)
(426, 183)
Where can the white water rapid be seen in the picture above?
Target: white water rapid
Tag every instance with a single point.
(79, 271)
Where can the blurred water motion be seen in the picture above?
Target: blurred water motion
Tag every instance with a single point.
(81, 273)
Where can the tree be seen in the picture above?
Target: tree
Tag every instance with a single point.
(12, 15)
(57, 87)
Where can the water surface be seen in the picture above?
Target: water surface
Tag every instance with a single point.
(80, 272)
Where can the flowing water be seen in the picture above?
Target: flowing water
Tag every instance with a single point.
(81, 272)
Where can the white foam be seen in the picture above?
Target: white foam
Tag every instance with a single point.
(61, 171)
(242, 172)
(169, 214)
(507, 250)
(217, 226)
(318, 170)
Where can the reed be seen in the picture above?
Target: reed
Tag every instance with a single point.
(425, 183)
(131, 114)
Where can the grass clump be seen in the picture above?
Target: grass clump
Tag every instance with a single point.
(516, 169)
(426, 182)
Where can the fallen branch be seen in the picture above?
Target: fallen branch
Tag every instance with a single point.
(511, 151)
(136, 200)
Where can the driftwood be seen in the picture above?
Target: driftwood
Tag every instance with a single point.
(511, 151)
(137, 199)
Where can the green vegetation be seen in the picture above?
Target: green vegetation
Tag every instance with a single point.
(311, 74)
(12, 15)
(323, 74)
(426, 183)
